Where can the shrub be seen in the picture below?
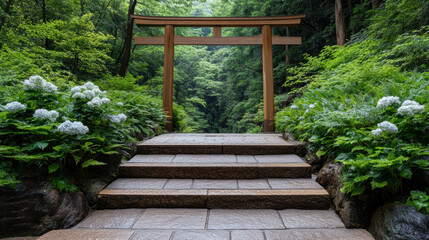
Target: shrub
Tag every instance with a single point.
(56, 133)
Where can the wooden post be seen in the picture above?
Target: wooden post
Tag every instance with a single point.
(267, 61)
(217, 31)
(167, 96)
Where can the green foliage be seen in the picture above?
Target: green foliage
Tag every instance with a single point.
(420, 200)
(338, 108)
(32, 138)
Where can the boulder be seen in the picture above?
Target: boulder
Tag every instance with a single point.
(34, 208)
(399, 221)
(355, 212)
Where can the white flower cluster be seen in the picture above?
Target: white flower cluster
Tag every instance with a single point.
(385, 127)
(87, 91)
(120, 104)
(376, 132)
(73, 128)
(388, 101)
(388, 127)
(294, 107)
(97, 102)
(37, 83)
(409, 108)
(311, 106)
(14, 107)
(118, 118)
(45, 114)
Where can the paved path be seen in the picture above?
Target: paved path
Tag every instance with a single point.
(213, 186)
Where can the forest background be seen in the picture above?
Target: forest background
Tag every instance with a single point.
(216, 88)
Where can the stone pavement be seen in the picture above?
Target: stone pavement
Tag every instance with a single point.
(213, 186)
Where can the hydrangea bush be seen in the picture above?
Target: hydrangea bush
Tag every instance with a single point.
(366, 113)
(57, 132)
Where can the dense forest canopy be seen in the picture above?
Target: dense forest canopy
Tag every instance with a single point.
(216, 88)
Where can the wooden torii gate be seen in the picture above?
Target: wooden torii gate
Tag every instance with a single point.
(266, 40)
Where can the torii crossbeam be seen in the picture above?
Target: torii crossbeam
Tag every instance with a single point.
(267, 40)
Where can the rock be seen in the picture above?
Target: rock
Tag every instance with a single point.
(354, 211)
(315, 162)
(92, 180)
(33, 208)
(399, 221)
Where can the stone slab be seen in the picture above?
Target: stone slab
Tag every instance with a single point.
(253, 184)
(294, 218)
(246, 159)
(137, 183)
(244, 219)
(123, 218)
(205, 158)
(256, 149)
(152, 235)
(179, 149)
(165, 218)
(247, 235)
(87, 234)
(279, 158)
(153, 158)
(215, 170)
(201, 235)
(178, 184)
(122, 198)
(279, 183)
(214, 184)
(319, 234)
(274, 199)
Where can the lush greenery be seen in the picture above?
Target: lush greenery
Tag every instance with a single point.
(366, 104)
(56, 133)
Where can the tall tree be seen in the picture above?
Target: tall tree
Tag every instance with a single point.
(339, 23)
(6, 11)
(128, 39)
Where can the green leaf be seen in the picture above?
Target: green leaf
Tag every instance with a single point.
(320, 153)
(357, 148)
(375, 184)
(53, 167)
(406, 173)
(92, 162)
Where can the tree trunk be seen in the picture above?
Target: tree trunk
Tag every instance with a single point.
(375, 3)
(339, 23)
(128, 39)
(6, 10)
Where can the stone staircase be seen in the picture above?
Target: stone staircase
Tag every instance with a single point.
(215, 171)
(213, 186)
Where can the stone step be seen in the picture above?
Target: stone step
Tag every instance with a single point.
(217, 144)
(288, 234)
(209, 193)
(212, 166)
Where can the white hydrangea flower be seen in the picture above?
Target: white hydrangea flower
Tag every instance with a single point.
(45, 114)
(388, 127)
(120, 104)
(410, 108)
(89, 85)
(312, 106)
(77, 89)
(105, 100)
(96, 90)
(14, 107)
(38, 83)
(118, 118)
(294, 107)
(409, 102)
(73, 128)
(376, 132)
(89, 94)
(49, 87)
(95, 102)
(78, 95)
(387, 102)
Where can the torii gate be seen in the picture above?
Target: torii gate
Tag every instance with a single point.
(266, 40)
